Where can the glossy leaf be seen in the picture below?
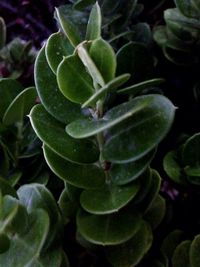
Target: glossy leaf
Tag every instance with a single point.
(50, 94)
(108, 199)
(24, 248)
(181, 255)
(89, 127)
(131, 252)
(109, 229)
(73, 80)
(83, 176)
(57, 47)
(155, 117)
(69, 28)
(36, 196)
(108, 88)
(186, 7)
(126, 173)
(156, 212)
(194, 252)
(20, 106)
(135, 59)
(9, 89)
(172, 167)
(137, 88)
(2, 33)
(104, 58)
(94, 23)
(52, 133)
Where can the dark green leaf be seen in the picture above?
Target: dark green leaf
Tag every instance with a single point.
(81, 4)
(108, 199)
(194, 252)
(6, 188)
(4, 243)
(109, 229)
(74, 81)
(94, 23)
(2, 33)
(131, 252)
(56, 48)
(52, 133)
(187, 9)
(181, 255)
(51, 97)
(83, 176)
(20, 106)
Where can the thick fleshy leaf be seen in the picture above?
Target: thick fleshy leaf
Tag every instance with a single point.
(109, 229)
(37, 196)
(137, 88)
(104, 58)
(89, 127)
(181, 255)
(2, 33)
(52, 133)
(156, 212)
(131, 252)
(23, 248)
(9, 89)
(6, 188)
(73, 80)
(108, 88)
(20, 106)
(108, 199)
(94, 23)
(171, 242)
(83, 176)
(155, 116)
(51, 97)
(160, 35)
(194, 252)
(186, 7)
(57, 47)
(191, 153)
(172, 167)
(126, 173)
(81, 4)
(135, 59)
(65, 18)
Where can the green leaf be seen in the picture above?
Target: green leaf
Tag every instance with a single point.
(155, 115)
(196, 4)
(50, 94)
(23, 248)
(125, 173)
(89, 127)
(20, 106)
(171, 242)
(104, 58)
(4, 243)
(2, 33)
(109, 229)
(37, 196)
(108, 88)
(56, 48)
(90, 65)
(81, 4)
(83, 176)
(156, 212)
(187, 9)
(73, 80)
(108, 199)
(6, 188)
(9, 89)
(94, 23)
(194, 252)
(131, 252)
(67, 25)
(134, 58)
(137, 88)
(191, 154)
(160, 35)
(172, 167)
(52, 133)
(181, 255)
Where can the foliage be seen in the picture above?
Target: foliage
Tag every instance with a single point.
(98, 148)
